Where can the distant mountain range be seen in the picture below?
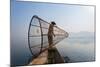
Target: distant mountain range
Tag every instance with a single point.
(82, 34)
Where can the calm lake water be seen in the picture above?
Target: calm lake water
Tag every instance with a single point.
(77, 48)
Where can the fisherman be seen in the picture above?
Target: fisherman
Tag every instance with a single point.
(51, 34)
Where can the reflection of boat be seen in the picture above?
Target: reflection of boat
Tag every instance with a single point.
(37, 36)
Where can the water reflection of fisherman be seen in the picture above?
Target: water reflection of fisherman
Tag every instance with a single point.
(51, 33)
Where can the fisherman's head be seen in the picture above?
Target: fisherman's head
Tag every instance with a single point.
(53, 23)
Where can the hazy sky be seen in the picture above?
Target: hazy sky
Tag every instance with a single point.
(72, 18)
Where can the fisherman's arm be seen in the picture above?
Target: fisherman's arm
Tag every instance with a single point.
(53, 33)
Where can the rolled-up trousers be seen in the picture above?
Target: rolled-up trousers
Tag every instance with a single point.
(50, 40)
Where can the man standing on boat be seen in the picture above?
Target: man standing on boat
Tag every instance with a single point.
(51, 33)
